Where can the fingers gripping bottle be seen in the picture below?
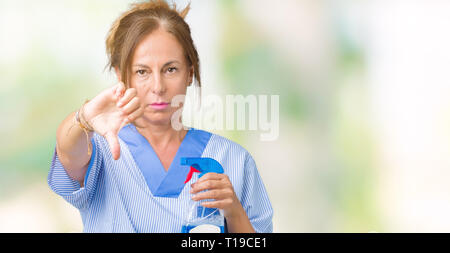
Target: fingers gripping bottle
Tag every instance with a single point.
(199, 219)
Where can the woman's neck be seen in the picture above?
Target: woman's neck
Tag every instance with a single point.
(162, 135)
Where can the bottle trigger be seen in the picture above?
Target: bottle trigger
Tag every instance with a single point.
(189, 176)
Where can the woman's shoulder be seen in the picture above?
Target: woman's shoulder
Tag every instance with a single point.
(235, 159)
(221, 145)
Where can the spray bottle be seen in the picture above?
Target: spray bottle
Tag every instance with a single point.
(199, 219)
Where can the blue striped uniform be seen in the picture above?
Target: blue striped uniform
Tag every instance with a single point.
(136, 193)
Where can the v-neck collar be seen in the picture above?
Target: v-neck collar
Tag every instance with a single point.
(163, 183)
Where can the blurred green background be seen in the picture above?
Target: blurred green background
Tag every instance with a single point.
(364, 142)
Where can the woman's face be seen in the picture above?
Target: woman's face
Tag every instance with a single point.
(159, 71)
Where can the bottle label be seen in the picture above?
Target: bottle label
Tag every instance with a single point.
(205, 228)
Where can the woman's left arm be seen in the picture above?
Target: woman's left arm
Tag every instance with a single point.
(220, 189)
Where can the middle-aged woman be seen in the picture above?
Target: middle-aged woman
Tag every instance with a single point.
(117, 158)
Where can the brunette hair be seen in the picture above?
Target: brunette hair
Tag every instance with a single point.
(140, 20)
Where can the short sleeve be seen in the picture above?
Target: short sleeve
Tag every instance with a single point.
(71, 190)
(255, 199)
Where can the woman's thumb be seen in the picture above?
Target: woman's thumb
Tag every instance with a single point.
(114, 145)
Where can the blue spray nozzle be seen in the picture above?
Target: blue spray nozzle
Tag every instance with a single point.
(201, 165)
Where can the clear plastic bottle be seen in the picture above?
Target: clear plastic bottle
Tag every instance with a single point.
(200, 219)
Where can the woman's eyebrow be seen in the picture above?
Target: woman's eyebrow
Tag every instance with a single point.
(170, 62)
(145, 66)
(141, 65)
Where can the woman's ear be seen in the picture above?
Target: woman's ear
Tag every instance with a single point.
(118, 74)
(191, 75)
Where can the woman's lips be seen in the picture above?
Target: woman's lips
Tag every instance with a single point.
(159, 106)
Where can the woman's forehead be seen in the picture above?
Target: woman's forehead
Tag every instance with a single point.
(158, 47)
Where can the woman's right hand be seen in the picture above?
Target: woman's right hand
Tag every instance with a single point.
(111, 110)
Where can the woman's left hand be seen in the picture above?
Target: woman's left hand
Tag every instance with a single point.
(220, 189)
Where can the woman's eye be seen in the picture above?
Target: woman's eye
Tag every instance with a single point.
(171, 70)
(141, 72)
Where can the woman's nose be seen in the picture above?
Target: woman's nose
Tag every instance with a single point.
(157, 86)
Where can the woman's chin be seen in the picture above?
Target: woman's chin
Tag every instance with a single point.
(156, 119)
